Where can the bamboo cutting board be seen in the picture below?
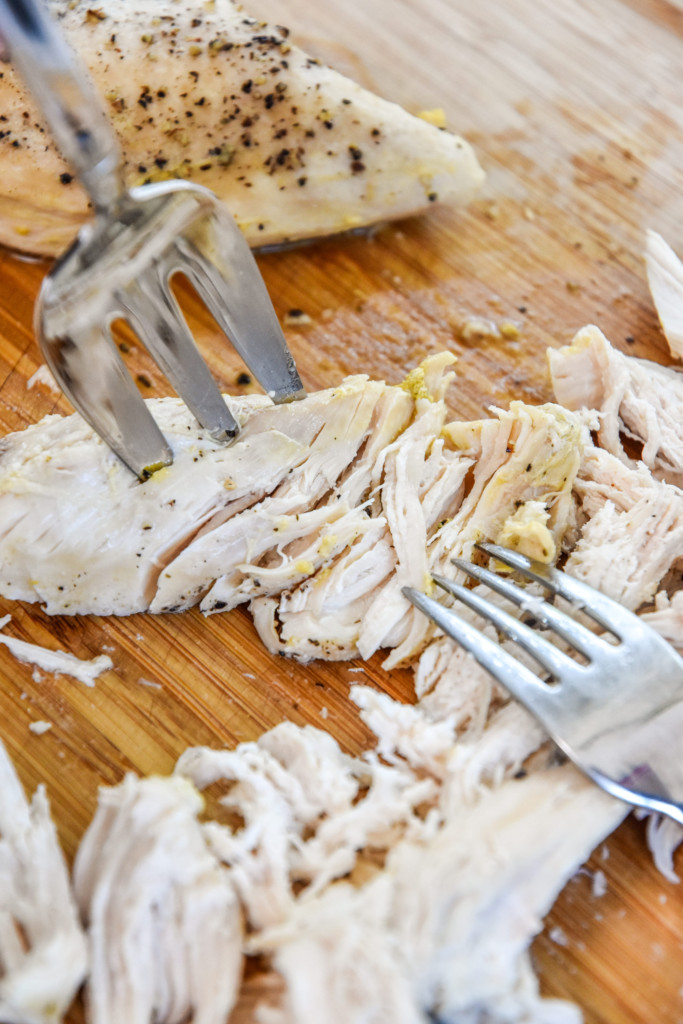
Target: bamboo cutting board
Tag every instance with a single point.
(576, 111)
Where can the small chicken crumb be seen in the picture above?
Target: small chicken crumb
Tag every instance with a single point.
(558, 936)
(149, 683)
(39, 727)
(509, 330)
(599, 884)
(478, 328)
(44, 376)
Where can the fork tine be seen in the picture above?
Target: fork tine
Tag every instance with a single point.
(519, 680)
(222, 268)
(528, 639)
(607, 612)
(90, 371)
(161, 327)
(573, 632)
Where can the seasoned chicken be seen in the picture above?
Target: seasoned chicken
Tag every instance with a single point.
(217, 511)
(163, 921)
(318, 515)
(43, 955)
(524, 455)
(635, 398)
(208, 93)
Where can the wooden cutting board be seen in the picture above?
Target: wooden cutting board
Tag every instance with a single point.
(576, 110)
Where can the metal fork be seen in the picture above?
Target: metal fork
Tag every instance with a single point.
(121, 265)
(619, 715)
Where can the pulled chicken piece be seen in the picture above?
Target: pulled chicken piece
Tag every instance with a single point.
(163, 921)
(634, 398)
(43, 954)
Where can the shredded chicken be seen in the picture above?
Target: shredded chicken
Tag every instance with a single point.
(43, 956)
(463, 877)
(635, 398)
(164, 924)
(59, 662)
(440, 849)
(634, 522)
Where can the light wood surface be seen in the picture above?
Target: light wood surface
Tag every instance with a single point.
(576, 110)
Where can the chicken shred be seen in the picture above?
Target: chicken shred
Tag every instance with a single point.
(43, 954)
(164, 923)
(635, 398)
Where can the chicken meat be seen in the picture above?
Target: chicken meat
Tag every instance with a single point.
(208, 93)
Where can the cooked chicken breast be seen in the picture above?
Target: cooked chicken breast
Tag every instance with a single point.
(318, 515)
(205, 92)
(461, 891)
(43, 954)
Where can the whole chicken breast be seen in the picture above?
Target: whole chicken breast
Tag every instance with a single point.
(207, 93)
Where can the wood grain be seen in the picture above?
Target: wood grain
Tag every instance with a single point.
(576, 113)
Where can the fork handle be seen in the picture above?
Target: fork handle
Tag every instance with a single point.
(69, 102)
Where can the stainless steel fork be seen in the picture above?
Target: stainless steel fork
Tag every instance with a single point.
(121, 265)
(618, 714)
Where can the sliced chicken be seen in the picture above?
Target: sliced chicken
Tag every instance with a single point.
(208, 93)
(635, 399)
(163, 920)
(318, 515)
(43, 954)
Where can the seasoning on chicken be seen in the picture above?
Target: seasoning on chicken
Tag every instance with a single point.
(295, 149)
(43, 956)
(318, 515)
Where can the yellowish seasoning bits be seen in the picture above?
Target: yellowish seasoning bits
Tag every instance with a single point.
(415, 385)
(327, 544)
(304, 566)
(437, 117)
(428, 584)
(509, 330)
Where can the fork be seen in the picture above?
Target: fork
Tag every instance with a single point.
(618, 714)
(122, 263)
